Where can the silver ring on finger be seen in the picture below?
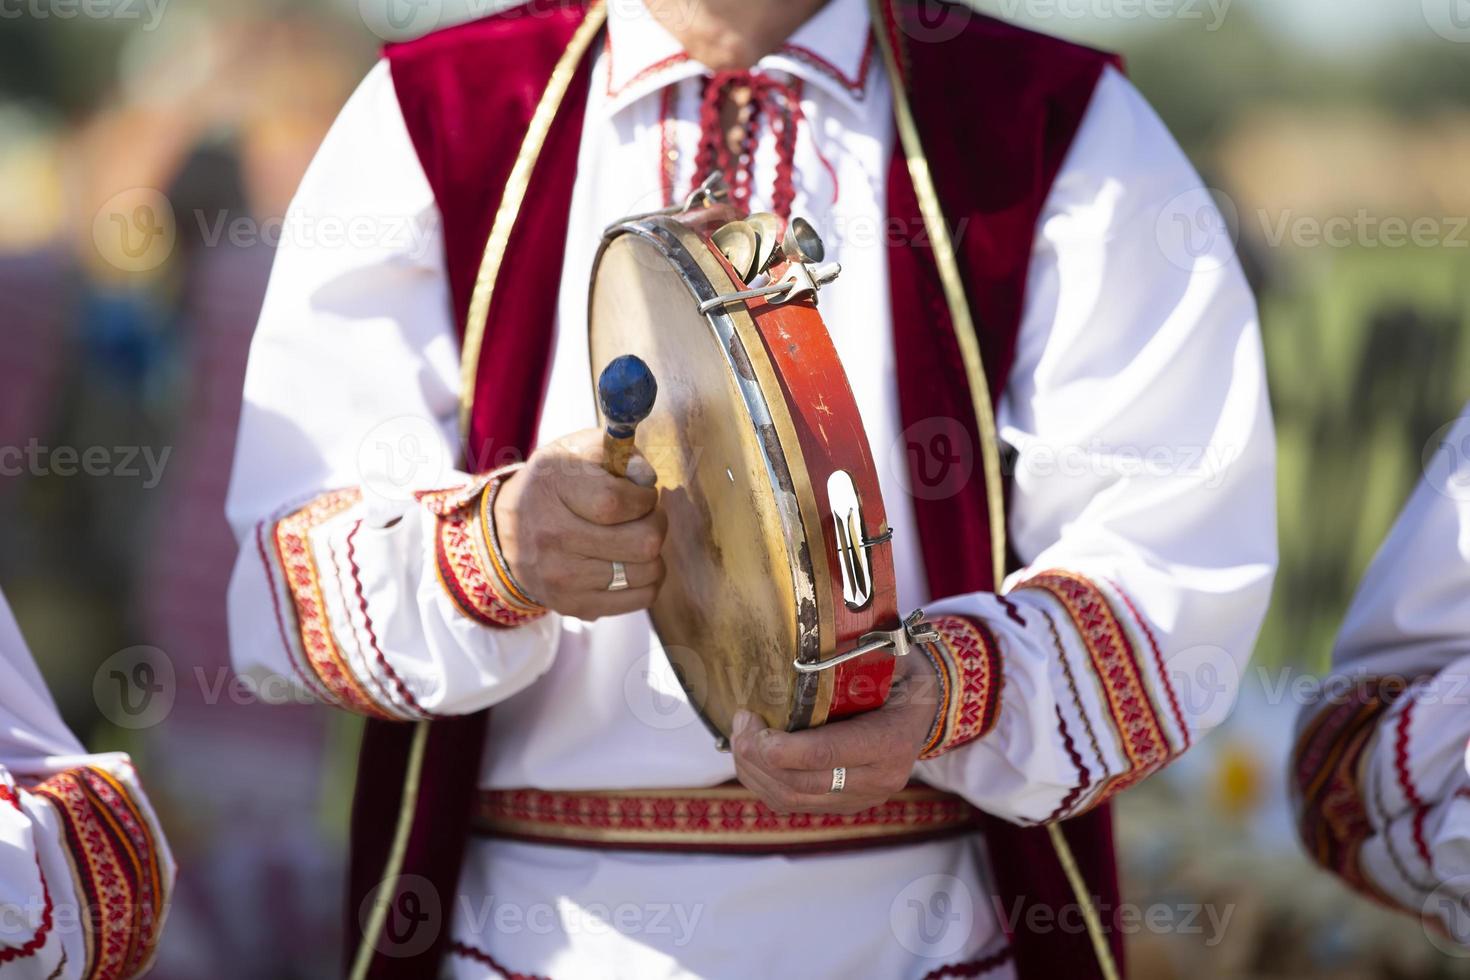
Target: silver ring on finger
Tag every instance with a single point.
(839, 779)
(619, 578)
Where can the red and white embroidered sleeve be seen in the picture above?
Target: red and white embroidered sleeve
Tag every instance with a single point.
(333, 613)
(967, 660)
(1117, 713)
(1380, 786)
(1327, 779)
(26, 936)
(471, 567)
(121, 876)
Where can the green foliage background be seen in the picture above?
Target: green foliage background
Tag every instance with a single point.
(1366, 346)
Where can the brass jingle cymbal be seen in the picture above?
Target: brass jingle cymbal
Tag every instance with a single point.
(768, 232)
(738, 241)
(802, 243)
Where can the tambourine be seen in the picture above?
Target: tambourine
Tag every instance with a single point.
(779, 596)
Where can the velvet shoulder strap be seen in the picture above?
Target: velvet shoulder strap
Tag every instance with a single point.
(470, 95)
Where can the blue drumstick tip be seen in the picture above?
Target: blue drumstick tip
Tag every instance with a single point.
(626, 390)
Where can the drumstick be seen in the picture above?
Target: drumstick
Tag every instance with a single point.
(626, 390)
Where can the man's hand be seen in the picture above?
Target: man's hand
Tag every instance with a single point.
(563, 520)
(792, 771)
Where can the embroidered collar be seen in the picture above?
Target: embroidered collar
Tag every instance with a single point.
(832, 50)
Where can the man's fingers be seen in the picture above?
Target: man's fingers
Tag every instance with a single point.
(787, 791)
(595, 574)
(595, 605)
(641, 471)
(597, 496)
(806, 791)
(631, 542)
(804, 784)
(851, 742)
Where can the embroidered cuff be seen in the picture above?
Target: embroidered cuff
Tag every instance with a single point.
(1121, 655)
(33, 944)
(118, 868)
(472, 570)
(326, 669)
(1327, 771)
(967, 660)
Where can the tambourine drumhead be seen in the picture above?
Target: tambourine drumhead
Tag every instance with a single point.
(739, 602)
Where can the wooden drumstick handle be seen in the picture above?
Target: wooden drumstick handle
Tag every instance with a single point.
(626, 390)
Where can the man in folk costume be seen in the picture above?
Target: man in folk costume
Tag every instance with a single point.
(1380, 772)
(565, 831)
(85, 873)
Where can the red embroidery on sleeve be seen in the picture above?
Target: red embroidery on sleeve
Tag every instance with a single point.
(9, 954)
(116, 859)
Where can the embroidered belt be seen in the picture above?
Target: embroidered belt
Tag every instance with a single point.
(717, 819)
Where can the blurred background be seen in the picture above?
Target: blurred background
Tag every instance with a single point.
(1336, 134)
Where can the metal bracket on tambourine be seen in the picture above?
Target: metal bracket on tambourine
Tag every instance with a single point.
(915, 629)
(799, 281)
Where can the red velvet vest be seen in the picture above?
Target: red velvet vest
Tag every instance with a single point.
(997, 109)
